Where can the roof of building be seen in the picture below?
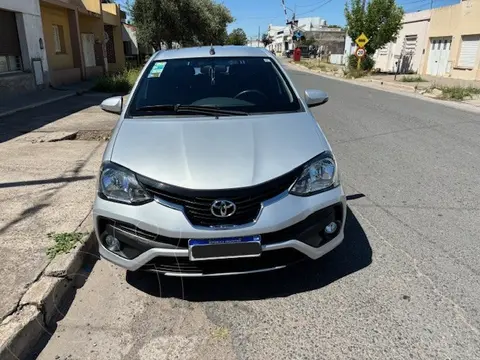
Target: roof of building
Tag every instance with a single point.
(204, 51)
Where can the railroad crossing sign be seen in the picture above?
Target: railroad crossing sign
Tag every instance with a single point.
(362, 40)
(360, 52)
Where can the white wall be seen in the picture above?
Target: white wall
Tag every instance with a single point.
(30, 31)
(416, 23)
(129, 34)
(24, 6)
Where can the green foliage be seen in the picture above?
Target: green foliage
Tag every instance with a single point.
(417, 78)
(310, 41)
(381, 22)
(117, 83)
(237, 37)
(459, 93)
(188, 22)
(367, 63)
(354, 73)
(266, 40)
(64, 243)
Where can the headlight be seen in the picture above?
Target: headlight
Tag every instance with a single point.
(120, 184)
(319, 174)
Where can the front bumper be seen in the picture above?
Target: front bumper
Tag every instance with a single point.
(155, 236)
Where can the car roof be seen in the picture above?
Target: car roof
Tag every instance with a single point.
(204, 51)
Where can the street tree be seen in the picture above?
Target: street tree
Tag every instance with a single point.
(237, 37)
(188, 22)
(310, 41)
(381, 22)
(266, 39)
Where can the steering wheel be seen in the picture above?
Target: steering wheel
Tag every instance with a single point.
(254, 91)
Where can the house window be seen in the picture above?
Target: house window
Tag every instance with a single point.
(469, 51)
(59, 39)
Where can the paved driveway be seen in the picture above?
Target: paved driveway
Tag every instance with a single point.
(405, 283)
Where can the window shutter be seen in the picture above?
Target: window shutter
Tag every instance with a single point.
(469, 51)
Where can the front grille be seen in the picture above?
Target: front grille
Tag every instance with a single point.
(197, 203)
(268, 260)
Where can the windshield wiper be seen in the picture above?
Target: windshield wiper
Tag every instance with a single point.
(195, 109)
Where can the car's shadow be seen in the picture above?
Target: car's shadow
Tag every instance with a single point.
(352, 255)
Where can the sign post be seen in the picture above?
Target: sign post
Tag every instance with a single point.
(359, 53)
(361, 41)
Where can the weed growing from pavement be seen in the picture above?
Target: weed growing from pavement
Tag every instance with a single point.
(417, 78)
(458, 93)
(317, 64)
(121, 82)
(64, 243)
(220, 333)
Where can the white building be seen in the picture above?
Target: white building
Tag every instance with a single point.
(255, 43)
(282, 35)
(408, 51)
(23, 60)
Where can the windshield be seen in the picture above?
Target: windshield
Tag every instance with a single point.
(247, 84)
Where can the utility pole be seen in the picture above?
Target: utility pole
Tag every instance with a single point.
(258, 39)
(364, 3)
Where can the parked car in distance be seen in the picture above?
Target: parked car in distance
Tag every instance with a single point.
(217, 167)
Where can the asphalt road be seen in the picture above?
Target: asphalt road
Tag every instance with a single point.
(404, 284)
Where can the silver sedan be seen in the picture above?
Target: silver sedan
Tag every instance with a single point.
(217, 167)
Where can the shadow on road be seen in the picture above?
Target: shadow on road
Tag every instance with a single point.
(352, 255)
(23, 122)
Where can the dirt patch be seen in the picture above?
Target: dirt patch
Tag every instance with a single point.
(93, 135)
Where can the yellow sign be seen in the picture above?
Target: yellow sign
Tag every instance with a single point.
(362, 40)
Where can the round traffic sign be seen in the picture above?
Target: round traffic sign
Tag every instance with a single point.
(360, 52)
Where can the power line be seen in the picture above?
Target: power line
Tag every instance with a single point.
(308, 5)
(315, 9)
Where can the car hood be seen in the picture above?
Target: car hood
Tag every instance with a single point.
(209, 153)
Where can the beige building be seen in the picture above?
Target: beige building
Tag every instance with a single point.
(73, 32)
(112, 19)
(407, 53)
(453, 47)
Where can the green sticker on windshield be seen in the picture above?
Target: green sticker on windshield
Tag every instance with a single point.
(157, 69)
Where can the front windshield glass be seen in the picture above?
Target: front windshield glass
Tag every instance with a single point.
(247, 84)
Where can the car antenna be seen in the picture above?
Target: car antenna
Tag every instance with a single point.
(212, 50)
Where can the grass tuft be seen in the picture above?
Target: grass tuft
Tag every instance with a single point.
(64, 243)
(121, 82)
(459, 93)
(417, 78)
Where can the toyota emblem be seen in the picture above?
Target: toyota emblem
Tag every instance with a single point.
(223, 208)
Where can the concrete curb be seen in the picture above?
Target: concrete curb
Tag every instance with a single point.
(21, 330)
(39, 103)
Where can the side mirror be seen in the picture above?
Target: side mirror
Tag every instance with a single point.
(112, 105)
(315, 97)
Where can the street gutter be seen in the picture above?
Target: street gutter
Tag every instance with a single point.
(38, 308)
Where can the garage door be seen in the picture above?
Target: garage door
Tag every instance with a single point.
(439, 56)
(469, 51)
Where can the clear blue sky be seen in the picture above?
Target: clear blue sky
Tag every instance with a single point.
(250, 14)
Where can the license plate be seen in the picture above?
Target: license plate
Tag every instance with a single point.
(224, 248)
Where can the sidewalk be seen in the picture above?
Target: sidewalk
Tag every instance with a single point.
(12, 104)
(47, 185)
